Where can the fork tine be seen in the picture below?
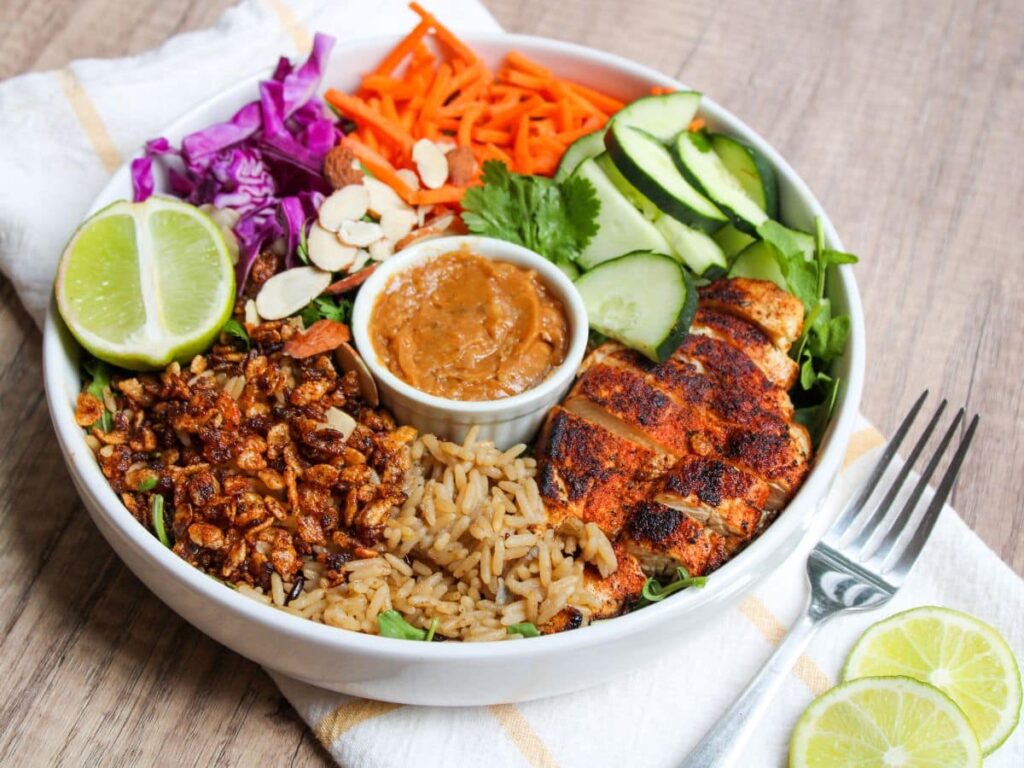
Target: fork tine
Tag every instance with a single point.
(853, 510)
(873, 529)
(907, 559)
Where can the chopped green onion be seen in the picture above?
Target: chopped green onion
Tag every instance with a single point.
(234, 328)
(525, 628)
(654, 591)
(148, 484)
(159, 526)
(433, 629)
(391, 624)
(100, 374)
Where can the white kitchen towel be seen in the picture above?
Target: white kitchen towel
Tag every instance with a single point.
(63, 133)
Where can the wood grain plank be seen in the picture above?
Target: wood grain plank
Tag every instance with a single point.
(911, 141)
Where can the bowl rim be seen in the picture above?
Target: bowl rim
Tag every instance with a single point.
(827, 461)
(491, 249)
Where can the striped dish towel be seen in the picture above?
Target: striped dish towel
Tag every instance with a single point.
(62, 134)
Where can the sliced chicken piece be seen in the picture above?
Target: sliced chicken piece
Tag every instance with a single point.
(589, 472)
(707, 373)
(778, 366)
(759, 302)
(716, 495)
(772, 449)
(603, 597)
(662, 538)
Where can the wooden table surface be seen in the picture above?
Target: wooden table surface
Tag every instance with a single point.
(906, 119)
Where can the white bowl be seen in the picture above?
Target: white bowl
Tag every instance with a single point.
(459, 673)
(504, 422)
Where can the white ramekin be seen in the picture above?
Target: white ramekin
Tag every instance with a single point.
(505, 422)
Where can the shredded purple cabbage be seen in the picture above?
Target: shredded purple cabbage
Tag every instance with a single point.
(265, 162)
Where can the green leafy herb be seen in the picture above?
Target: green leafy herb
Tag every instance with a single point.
(391, 624)
(654, 591)
(99, 373)
(148, 484)
(326, 307)
(234, 328)
(302, 249)
(825, 336)
(433, 629)
(525, 628)
(159, 525)
(554, 219)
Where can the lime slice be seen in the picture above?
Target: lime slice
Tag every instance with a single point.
(886, 722)
(966, 658)
(142, 284)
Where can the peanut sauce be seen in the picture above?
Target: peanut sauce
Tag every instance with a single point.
(466, 328)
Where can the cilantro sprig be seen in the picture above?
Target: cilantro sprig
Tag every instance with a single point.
(555, 219)
(326, 307)
(825, 335)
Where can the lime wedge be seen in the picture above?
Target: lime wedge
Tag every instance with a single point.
(142, 284)
(886, 722)
(966, 658)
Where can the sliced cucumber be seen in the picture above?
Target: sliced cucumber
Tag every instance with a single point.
(697, 249)
(661, 116)
(621, 227)
(703, 168)
(645, 300)
(751, 169)
(586, 146)
(758, 260)
(631, 193)
(648, 166)
(568, 267)
(731, 240)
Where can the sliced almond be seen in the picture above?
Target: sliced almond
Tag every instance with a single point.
(431, 163)
(347, 204)
(397, 224)
(362, 256)
(422, 211)
(408, 175)
(383, 198)
(326, 251)
(252, 317)
(350, 360)
(359, 233)
(289, 291)
(437, 228)
(339, 420)
(382, 250)
(445, 145)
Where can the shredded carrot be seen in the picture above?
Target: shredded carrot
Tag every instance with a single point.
(659, 90)
(697, 124)
(431, 85)
(380, 168)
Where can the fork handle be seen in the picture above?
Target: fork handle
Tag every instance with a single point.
(723, 743)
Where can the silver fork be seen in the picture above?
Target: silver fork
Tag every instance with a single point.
(858, 565)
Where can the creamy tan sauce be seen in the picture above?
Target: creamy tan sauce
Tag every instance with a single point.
(466, 328)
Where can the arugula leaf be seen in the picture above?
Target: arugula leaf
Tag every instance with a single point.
(554, 219)
(234, 328)
(432, 630)
(654, 591)
(391, 624)
(159, 524)
(326, 307)
(525, 628)
(99, 373)
(825, 336)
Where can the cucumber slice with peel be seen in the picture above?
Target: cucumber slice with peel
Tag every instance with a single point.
(621, 227)
(660, 116)
(644, 300)
(648, 165)
(751, 169)
(706, 171)
(584, 147)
